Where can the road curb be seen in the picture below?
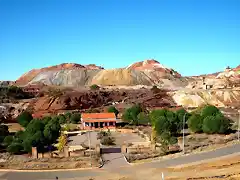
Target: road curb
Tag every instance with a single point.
(47, 170)
(127, 160)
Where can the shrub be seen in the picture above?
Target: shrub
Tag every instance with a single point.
(7, 141)
(215, 124)
(94, 87)
(62, 141)
(113, 109)
(195, 123)
(15, 148)
(143, 118)
(3, 132)
(108, 141)
(102, 134)
(62, 119)
(24, 118)
(75, 118)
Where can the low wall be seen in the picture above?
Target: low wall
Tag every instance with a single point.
(138, 150)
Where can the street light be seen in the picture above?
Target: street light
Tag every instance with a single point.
(238, 123)
(184, 117)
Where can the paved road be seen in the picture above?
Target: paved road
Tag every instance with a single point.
(114, 160)
(87, 174)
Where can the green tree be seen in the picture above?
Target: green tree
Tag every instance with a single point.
(195, 123)
(215, 124)
(75, 118)
(210, 110)
(113, 109)
(24, 118)
(130, 114)
(52, 131)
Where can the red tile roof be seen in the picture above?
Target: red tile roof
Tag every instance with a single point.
(98, 116)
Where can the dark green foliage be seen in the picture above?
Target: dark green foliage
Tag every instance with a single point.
(94, 87)
(3, 132)
(68, 116)
(113, 109)
(143, 119)
(62, 119)
(75, 118)
(24, 118)
(34, 126)
(38, 133)
(8, 140)
(161, 124)
(215, 124)
(15, 148)
(210, 110)
(13, 92)
(52, 131)
(131, 114)
(195, 123)
(46, 119)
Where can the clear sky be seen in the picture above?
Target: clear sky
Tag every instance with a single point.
(192, 36)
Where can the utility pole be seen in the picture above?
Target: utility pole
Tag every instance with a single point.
(238, 124)
(89, 144)
(183, 141)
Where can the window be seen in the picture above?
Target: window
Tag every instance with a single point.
(110, 123)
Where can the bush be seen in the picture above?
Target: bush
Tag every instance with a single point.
(215, 124)
(62, 119)
(7, 141)
(3, 132)
(102, 134)
(113, 109)
(143, 119)
(24, 118)
(195, 123)
(75, 118)
(108, 141)
(94, 87)
(15, 148)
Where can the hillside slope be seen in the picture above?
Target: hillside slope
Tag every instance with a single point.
(149, 72)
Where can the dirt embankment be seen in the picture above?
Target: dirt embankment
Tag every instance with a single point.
(102, 98)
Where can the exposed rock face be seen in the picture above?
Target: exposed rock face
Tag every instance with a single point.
(197, 98)
(29, 76)
(149, 72)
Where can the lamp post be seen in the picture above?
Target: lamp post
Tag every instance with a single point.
(183, 141)
(238, 124)
(89, 144)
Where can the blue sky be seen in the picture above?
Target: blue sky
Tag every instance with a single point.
(192, 36)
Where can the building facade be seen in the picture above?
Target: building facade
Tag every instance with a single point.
(98, 120)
